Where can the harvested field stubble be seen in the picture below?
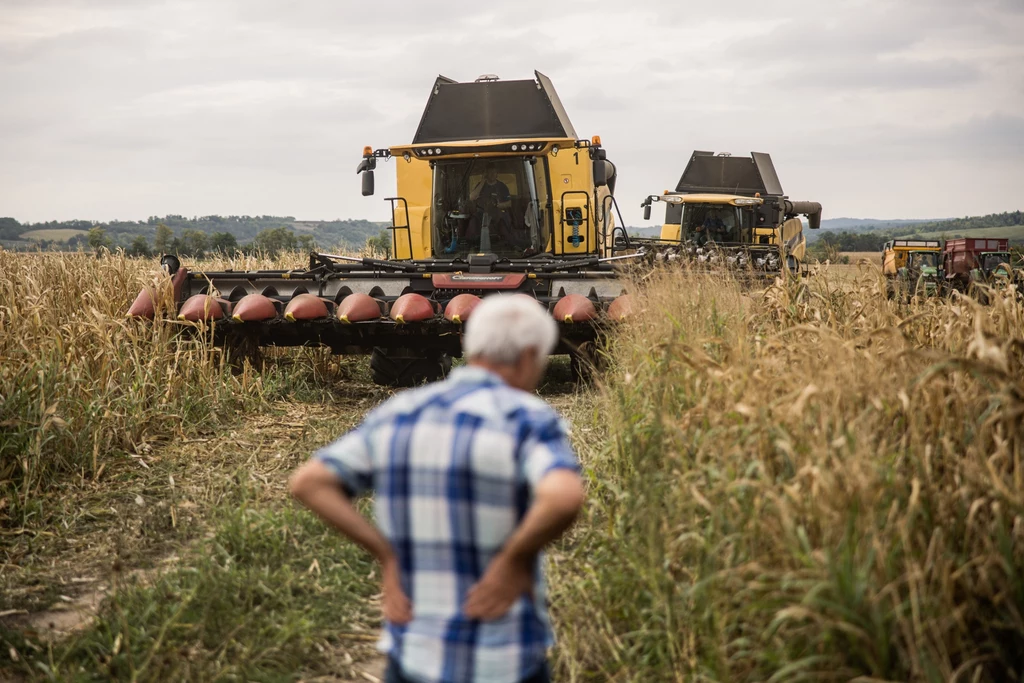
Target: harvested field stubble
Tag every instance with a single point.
(809, 483)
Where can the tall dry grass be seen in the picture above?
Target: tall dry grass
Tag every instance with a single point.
(82, 386)
(805, 483)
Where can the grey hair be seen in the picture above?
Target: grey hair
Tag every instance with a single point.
(503, 327)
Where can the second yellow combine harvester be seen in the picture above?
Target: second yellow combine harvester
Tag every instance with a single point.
(731, 211)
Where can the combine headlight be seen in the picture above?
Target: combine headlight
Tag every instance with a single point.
(437, 151)
(747, 201)
(515, 148)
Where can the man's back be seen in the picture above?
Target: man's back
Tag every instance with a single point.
(453, 466)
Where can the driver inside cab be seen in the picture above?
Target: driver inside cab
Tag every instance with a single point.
(492, 200)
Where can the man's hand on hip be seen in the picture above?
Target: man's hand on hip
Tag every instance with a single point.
(396, 605)
(504, 582)
(558, 498)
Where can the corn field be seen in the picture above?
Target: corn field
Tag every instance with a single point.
(81, 384)
(804, 483)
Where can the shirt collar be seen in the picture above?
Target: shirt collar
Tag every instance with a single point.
(475, 374)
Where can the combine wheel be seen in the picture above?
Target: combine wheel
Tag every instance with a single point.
(407, 368)
(586, 361)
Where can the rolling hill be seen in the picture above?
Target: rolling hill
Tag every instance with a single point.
(1015, 233)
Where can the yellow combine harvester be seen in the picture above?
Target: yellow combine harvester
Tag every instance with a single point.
(496, 194)
(732, 210)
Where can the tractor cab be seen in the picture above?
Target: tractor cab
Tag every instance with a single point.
(923, 261)
(993, 261)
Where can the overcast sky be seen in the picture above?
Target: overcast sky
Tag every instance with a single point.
(131, 108)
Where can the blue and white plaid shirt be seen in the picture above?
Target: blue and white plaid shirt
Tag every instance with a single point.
(453, 466)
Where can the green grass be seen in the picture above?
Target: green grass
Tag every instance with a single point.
(271, 594)
(55, 234)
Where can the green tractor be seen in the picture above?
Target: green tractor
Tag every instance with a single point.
(920, 276)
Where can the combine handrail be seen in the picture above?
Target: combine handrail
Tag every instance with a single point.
(610, 200)
(408, 223)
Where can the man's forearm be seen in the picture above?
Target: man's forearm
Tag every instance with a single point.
(319, 491)
(539, 527)
(553, 511)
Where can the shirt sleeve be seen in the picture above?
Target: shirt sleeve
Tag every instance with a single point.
(547, 448)
(350, 459)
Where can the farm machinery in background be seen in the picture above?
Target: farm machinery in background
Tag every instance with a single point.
(495, 194)
(912, 268)
(968, 263)
(732, 211)
(931, 267)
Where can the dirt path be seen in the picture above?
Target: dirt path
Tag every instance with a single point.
(145, 513)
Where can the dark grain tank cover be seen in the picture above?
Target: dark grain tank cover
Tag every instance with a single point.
(730, 175)
(493, 110)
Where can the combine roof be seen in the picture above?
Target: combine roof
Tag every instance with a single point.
(708, 173)
(491, 109)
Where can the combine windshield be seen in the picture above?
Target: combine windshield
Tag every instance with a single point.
(496, 206)
(719, 223)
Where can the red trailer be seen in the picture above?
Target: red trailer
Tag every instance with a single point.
(962, 256)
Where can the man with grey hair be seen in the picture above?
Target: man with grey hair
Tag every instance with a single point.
(472, 477)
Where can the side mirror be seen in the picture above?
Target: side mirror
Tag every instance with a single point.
(367, 183)
(647, 212)
(170, 263)
(600, 173)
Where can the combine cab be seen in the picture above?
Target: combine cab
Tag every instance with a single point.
(496, 194)
(732, 210)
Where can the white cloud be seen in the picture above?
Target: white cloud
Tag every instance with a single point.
(132, 108)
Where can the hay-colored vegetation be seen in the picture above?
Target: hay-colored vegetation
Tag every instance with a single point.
(127, 446)
(82, 385)
(809, 483)
(806, 482)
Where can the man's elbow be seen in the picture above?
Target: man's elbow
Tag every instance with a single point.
(301, 483)
(565, 492)
(575, 497)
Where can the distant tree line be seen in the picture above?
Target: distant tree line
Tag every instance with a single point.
(833, 241)
(271, 242)
(993, 220)
(189, 236)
